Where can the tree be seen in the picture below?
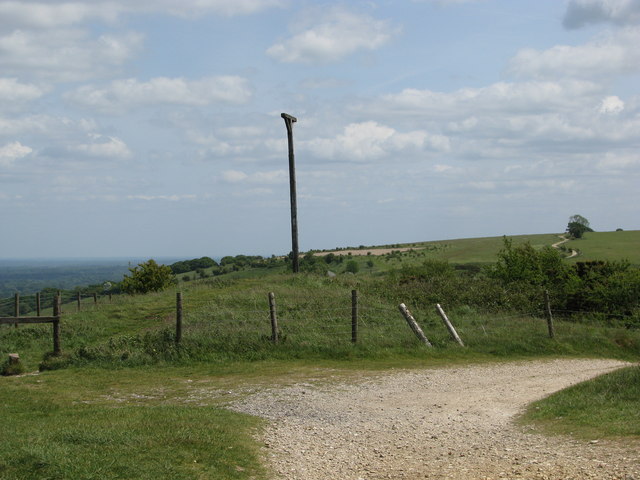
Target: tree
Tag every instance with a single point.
(523, 263)
(577, 226)
(147, 277)
(352, 266)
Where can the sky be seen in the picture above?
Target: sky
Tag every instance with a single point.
(152, 128)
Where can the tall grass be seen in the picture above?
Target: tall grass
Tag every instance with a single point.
(228, 321)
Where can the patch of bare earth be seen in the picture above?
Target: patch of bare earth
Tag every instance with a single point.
(366, 251)
(448, 423)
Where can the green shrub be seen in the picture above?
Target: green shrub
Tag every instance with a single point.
(147, 277)
(352, 266)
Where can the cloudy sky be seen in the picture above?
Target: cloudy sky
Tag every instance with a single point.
(152, 128)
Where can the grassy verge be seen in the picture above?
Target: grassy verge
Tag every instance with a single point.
(143, 424)
(608, 406)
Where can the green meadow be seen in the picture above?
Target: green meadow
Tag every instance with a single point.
(125, 401)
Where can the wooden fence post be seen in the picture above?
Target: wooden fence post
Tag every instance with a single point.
(447, 323)
(547, 305)
(414, 325)
(274, 317)
(95, 298)
(79, 299)
(354, 316)
(16, 307)
(38, 305)
(178, 318)
(56, 326)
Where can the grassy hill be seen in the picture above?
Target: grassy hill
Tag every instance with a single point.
(608, 246)
(124, 401)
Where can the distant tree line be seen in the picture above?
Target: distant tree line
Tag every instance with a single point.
(192, 265)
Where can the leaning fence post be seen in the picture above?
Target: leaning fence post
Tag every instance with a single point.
(447, 323)
(178, 318)
(354, 316)
(547, 308)
(274, 317)
(414, 325)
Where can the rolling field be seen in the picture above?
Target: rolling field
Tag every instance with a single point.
(608, 246)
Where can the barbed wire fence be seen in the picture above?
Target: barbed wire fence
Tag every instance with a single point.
(310, 321)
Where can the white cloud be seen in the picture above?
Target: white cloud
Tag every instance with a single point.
(611, 105)
(370, 141)
(234, 176)
(619, 161)
(337, 34)
(13, 91)
(606, 56)
(465, 105)
(103, 147)
(264, 178)
(446, 2)
(201, 7)
(12, 152)
(17, 14)
(584, 12)
(122, 95)
(65, 54)
(55, 14)
(167, 198)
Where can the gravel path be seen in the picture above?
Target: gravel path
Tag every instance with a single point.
(447, 423)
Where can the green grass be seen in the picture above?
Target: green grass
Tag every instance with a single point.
(100, 424)
(130, 404)
(608, 246)
(608, 406)
(483, 250)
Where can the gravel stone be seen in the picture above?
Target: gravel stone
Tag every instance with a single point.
(444, 423)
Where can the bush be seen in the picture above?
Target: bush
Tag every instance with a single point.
(540, 268)
(147, 277)
(352, 266)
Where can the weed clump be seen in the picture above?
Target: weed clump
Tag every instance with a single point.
(12, 366)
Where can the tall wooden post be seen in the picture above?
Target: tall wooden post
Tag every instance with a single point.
(79, 300)
(354, 316)
(274, 317)
(38, 304)
(547, 311)
(289, 121)
(95, 298)
(178, 318)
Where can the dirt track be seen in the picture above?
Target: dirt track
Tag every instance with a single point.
(448, 423)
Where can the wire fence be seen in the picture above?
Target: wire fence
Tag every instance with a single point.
(310, 321)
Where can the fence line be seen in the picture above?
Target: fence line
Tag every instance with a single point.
(305, 321)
